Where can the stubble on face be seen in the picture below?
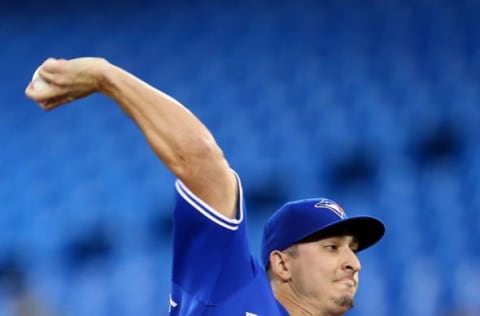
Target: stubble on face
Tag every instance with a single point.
(345, 302)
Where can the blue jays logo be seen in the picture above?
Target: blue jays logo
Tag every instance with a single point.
(332, 206)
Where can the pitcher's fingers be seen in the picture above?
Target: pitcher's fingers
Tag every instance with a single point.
(48, 77)
(50, 71)
(30, 92)
(56, 102)
(28, 89)
(47, 93)
(52, 65)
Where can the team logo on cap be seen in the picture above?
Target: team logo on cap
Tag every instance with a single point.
(332, 206)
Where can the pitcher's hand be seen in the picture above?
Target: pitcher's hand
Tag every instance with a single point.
(67, 80)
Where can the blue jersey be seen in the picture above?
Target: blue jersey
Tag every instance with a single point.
(214, 272)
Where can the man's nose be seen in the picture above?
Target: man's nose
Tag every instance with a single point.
(351, 261)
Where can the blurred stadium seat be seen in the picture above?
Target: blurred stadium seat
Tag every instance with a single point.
(373, 103)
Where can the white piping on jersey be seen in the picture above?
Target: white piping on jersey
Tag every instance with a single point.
(172, 304)
(209, 212)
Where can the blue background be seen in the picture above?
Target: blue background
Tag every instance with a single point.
(374, 104)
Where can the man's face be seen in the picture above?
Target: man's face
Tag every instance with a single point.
(325, 273)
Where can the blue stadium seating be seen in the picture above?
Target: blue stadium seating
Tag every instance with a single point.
(373, 103)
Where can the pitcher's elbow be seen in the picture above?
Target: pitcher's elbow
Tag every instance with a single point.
(200, 156)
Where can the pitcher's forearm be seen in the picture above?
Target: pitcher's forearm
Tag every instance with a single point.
(169, 127)
(176, 136)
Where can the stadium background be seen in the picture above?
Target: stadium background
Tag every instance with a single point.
(372, 103)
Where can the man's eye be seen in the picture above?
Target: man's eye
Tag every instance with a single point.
(331, 247)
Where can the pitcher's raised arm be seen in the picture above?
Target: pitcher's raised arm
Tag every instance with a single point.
(177, 137)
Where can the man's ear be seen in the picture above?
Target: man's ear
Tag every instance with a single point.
(280, 265)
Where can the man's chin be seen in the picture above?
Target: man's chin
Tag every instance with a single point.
(346, 302)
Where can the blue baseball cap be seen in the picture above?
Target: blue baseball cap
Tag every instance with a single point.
(297, 220)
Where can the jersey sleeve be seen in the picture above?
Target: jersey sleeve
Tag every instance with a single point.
(211, 256)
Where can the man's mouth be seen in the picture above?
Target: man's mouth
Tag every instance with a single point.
(348, 282)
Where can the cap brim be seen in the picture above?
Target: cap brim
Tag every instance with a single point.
(367, 230)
